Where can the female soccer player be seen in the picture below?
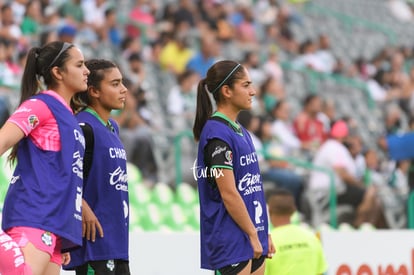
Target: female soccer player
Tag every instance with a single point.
(234, 222)
(105, 192)
(42, 208)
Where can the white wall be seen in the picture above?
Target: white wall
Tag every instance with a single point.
(380, 252)
(157, 253)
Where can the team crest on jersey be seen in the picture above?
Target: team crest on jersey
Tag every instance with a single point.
(229, 158)
(110, 264)
(33, 121)
(47, 238)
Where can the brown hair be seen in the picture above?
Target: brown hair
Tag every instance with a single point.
(222, 73)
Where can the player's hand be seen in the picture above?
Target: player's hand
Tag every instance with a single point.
(257, 246)
(90, 223)
(272, 249)
(65, 258)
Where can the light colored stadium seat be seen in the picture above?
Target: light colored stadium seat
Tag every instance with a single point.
(162, 195)
(186, 195)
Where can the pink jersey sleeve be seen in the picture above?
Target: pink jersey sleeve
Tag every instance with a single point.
(36, 120)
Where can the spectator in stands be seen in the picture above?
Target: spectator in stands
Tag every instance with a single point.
(278, 171)
(286, 37)
(8, 69)
(327, 115)
(246, 29)
(9, 83)
(308, 58)
(9, 28)
(393, 120)
(111, 29)
(252, 63)
(141, 20)
(356, 149)
(184, 16)
(135, 71)
(349, 189)
(72, 11)
(225, 30)
(271, 92)
(19, 7)
(396, 75)
(95, 14)
(379, 91)
(181, 101)
(175, 54)
(272, 66)
(408, 94)
(30, 25)
(67, 33)
(392, 190)
(298, 250)
(325, 55)
(282, 129)
(205, 57)
(308, 128)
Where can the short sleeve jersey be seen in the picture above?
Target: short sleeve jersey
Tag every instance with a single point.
(36, 120)
(218, 154)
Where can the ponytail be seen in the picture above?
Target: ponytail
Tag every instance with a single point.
(204, 109)
(30, 83)
(29, 87)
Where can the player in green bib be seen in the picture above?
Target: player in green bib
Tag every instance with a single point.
(298, 250)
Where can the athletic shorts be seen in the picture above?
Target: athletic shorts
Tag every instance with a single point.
(105, 267)
(353, 195)
(234, 269)
(11, 257)
(43, 240)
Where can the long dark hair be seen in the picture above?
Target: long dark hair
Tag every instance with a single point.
(97, 69)
(39, 63)
(222, 73)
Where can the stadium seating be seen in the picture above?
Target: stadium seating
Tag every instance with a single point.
(160, 208)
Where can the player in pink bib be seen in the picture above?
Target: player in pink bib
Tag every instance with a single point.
(41, 216)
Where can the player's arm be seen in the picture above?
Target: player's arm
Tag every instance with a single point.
(29, 115)
(10, 134)
(90, 223)
(220, 158)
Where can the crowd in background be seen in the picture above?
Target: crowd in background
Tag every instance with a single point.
(181, 39)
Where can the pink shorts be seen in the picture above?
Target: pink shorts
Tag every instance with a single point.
(41, 239)
(11, 257)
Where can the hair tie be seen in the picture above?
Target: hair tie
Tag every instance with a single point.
(205, 87)
(226, 78)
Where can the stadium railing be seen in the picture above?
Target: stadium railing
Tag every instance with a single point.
(314, 78)
(333, 217)
(177, 154)
(410, 210)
